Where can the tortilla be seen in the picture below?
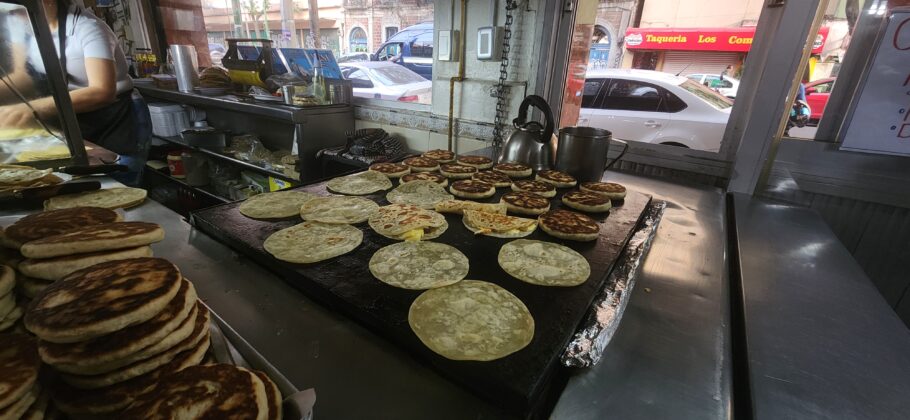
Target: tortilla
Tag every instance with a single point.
(423, 194)
(543, 263)
(498, 225)
(19, 176)
(110, 198)
(471, 320)
(338, 209)
(361, 183)
(569, 225)
(311, 242)
(407, 222)
(419, 265)
(459, 206)
(275, 205)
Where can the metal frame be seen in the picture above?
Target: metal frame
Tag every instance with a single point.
(56, 79)
(754, 130)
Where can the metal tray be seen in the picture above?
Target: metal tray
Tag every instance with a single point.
(525, 383)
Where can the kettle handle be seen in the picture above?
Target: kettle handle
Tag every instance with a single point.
(541, 104)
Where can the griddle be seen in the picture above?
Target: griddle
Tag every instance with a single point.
(524, 383)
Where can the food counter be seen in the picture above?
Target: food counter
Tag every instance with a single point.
(677, 317)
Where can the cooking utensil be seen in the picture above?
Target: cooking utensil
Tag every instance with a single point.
(81, 170)
(40, 194)
(531, 143)
(582, 152)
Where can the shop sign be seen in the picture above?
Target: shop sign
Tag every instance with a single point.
(704, 39)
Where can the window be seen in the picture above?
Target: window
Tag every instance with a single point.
(390, 31)
(591, 92)
(359, 79)
(356, 31)
(674, 103)
(423, 46)
(632, 95)
(715, 82)
(358, 41)
(824, 87)
(709, 96)
(396, 75)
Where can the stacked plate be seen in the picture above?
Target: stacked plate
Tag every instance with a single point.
(113, 330)
(20, 394)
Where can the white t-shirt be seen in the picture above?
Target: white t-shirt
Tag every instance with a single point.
(87, 36)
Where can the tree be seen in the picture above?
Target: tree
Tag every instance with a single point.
(253, 11)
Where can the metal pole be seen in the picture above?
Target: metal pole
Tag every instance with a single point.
(288, 26)
(238, 21)
(314, 23)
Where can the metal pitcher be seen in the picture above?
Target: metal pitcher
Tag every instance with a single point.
(531, 143)
(583, 152)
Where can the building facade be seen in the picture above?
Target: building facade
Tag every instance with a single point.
(369, 23)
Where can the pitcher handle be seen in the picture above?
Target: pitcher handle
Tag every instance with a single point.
(625, 147)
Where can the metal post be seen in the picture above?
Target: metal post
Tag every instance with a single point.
(288, 26)
(238, 21)
(314, 23)
(779, 52)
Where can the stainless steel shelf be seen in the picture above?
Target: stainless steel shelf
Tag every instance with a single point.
(246, 165)
(297, 115)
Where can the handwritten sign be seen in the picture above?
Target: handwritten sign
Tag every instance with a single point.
(880, 121)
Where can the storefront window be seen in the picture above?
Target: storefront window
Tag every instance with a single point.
(358, 40)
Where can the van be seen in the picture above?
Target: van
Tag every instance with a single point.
(412, 47)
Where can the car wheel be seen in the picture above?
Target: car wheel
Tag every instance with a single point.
(673, 143)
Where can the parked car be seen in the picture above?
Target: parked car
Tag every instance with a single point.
(385, 80)
(817, 93)
(412, 47)
(655, 107)
(354, 58)
(725, 85)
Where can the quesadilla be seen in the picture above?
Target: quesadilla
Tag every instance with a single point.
(423, 194)
(408, 223)
(361, 183)
(498, 225)
(459, 206)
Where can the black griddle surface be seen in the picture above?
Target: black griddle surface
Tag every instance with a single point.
(523, 382)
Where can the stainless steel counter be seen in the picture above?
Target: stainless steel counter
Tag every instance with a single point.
(821, 341)
(669, 358)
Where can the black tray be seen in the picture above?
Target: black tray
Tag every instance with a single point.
(526, 382)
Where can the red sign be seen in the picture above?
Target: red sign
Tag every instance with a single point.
(705, 39)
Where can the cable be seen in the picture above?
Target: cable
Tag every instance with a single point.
(12, 87)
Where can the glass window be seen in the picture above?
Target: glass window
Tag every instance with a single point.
(709, 96)
(423, 46)
(396, 75)
(674, 103)
(632, 95)
(358, 42)
(399, 32)
(591, 92)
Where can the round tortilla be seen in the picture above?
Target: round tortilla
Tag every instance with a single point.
(110, 198)
(471, 320)
(21, 175)
(419, 265)
(361, 183)
(395, 220)
(338, 209)
(311, 242)
(423, 194)
(275, 205)
(543, 263)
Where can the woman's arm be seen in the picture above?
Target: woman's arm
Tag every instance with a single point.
(100, 92)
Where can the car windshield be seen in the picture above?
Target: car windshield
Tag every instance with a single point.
(396, 75)
(711, 97)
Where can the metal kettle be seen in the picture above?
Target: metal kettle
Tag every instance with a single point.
(531, 143)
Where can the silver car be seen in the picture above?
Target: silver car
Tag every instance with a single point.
(385, 80)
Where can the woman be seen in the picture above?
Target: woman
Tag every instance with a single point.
(98, 80)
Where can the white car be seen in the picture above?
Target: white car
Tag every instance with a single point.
(726, 85)
(386, 80)
(654, 107)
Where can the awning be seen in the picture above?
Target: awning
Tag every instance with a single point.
(702, 39)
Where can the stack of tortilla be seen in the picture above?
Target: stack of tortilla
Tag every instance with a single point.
(57, 243)
(113, 330)
(19, 177)
(20, 394)
(9, 311)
